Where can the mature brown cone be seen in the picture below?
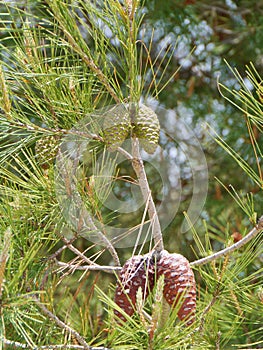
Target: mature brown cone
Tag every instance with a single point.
(179, 284)
(144, 270)
(136, 272)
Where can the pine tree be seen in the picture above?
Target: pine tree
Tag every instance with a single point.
(77, 141)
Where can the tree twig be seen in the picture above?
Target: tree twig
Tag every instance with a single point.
(4, 257)
(108, 269)
(60, 250)
(113, 269)
(138, 167)
(61, 324)
(125, 153)
(90, 63)
(47, 347)
(200, 329)
(65, 176)
(218, 340)
(77, 252)
(253, 233)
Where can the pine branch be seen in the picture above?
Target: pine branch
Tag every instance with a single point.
(224, 252)
(125, 153)
(61, 324)
(138, 167)
(77, 43)
(218, 340)
(4, 257)
(253, 233)
(49, 347)
(60, 250)
(4, 94)
(73, 267)
(77, 252)
(92, 266)
(91, 225)
(91, 64)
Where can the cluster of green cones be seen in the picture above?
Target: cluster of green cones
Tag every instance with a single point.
(122, 122)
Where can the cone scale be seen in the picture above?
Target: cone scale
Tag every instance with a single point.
(136, 272)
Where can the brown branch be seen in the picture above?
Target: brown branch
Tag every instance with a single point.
(107, 269)
(125, 153)
(112, 269)
(4, 257)
(61, 324)
(47, 347)
(218, 340)
(76, 43)
(77, 252)
(63, 169)
(60, 250)
(36, 128)
(206, 310)
(138, 167)
(253, 233)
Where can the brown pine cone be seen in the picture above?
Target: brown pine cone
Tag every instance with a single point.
(136, 272)
(179, 284)
(144, 271)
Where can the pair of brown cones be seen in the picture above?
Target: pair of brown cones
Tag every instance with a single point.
(144, 270)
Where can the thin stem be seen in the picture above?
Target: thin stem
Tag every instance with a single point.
(253, 233)
(137, 161)
(4, 257)
(254, 143)
(6, 103)
(125, 153)
(77, 252)
(61, 324)
(112, 269)
(206, 310)
(36, 128)
(60, 250)
(51, 347)
(91, 64)
(103, 79)
(218, 340)
(108, 269)
(92, 227)
(138, 167)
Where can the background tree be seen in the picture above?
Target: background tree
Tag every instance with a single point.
(63, 62)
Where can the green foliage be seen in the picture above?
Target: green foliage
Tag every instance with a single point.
(62, 62)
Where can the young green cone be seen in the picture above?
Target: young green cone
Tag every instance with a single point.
(46, 150)
(116, 127)
(146, 127)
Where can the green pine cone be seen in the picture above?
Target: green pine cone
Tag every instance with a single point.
(46, 150)
(116, 127)
(146, 127)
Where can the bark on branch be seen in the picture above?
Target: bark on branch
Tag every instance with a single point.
(253, 233)
(138, 167)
